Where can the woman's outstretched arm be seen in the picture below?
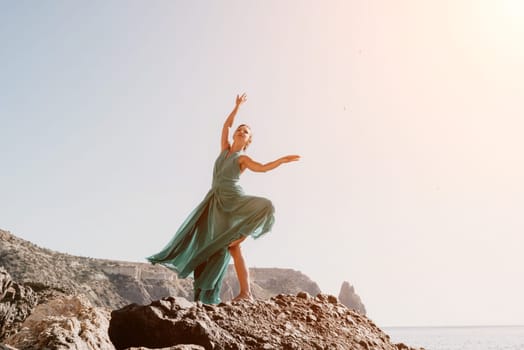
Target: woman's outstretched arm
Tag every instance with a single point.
(229, 121)
(247, 163)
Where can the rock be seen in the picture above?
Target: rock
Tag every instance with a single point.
(16, 304)
(282, 322)
(332, 299)
(176, 347)
(163, 323)
(303, 295)
(402, 346)
(5, 282)
(348, 297)
(67, 322)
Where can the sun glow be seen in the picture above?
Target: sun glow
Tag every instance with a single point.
(508, 16)
(513, 10)
(499, 27)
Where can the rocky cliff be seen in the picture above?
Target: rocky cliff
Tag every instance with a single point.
(113, 284)
(300, 322)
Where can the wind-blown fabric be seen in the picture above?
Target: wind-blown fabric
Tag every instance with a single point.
(200, 246)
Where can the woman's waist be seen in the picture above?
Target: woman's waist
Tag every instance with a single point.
(225, 181)
(227, 186)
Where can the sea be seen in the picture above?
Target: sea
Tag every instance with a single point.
(459, 338)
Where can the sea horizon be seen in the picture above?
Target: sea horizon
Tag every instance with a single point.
(458, 326)
(479, 337)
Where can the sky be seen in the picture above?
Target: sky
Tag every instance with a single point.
(407, 114)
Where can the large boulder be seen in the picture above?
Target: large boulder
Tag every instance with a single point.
(64, 323)
(282, 322)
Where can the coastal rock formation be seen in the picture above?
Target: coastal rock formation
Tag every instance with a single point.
(114, 284)
(66, 322)
(282, 322)
(54, 302)
(348, 297)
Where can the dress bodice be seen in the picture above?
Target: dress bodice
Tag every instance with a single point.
(226, 172)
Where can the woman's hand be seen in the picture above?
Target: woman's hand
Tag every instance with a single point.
(241, 99)
(291, 158)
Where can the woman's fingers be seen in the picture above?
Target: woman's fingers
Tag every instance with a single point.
(292, 158)
(241, 98)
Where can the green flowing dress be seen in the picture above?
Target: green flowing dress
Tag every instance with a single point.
(200, 246)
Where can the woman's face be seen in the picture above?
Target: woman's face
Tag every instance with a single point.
(243, 134)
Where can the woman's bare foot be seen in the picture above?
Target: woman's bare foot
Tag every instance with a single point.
(243, 296)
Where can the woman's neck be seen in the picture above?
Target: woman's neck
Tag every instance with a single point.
(235, 148)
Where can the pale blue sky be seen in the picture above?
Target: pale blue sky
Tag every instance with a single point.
(407, 115)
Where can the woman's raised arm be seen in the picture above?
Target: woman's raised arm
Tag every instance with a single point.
(229, 121)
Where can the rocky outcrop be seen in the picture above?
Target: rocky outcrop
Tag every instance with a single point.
(348, 297)
(64, 323)
(282, 322)
(16, 304)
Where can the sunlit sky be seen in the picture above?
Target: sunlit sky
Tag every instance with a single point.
(408, 116)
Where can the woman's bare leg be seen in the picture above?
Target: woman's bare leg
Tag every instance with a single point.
(241, 270)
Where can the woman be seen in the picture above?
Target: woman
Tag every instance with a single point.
(213, 232)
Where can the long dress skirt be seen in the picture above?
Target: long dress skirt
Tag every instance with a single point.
(200, 245)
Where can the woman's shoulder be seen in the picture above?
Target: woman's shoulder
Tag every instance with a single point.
(243, 157)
